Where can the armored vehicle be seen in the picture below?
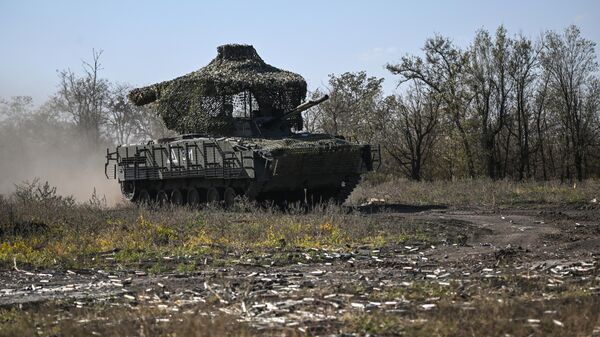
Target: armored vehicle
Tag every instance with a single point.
(237, 118)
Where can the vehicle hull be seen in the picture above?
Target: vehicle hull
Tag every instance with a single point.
(304, 168)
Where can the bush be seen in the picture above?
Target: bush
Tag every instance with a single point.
(36, 192)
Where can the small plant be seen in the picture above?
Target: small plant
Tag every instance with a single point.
(41, 193)
(97, 202)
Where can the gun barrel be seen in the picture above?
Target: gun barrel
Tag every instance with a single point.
(304, 106)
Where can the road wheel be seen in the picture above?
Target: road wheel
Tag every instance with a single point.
(162, 199)
(193, 197)
(128, 190)
(144, 198)
(212, 196)
(346, 188)
(176, 197)
(229, 197)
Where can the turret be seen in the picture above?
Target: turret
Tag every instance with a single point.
(237, 84)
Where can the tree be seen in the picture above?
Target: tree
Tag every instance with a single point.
(150, 125)
(84, 98)
(522, 66)
(570, 61)
(487, 79)
(353, 100)
(591, 109)
(544, 139)
(121, 118)
(409, 129)
(442, 70)
(18, 108)
(126, 122)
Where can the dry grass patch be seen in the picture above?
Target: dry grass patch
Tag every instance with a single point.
(475, 192)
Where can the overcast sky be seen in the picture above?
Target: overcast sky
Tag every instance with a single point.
(150, 41)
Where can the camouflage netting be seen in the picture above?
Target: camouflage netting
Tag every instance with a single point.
(237, 83)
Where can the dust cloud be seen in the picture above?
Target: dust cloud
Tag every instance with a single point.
(38, 148)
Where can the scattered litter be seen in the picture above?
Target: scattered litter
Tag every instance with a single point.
(358, 305)
(428, 306)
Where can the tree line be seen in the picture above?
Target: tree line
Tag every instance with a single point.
(86, 109)
(503, 107)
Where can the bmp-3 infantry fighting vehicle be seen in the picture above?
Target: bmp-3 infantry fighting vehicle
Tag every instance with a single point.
(237, 119)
